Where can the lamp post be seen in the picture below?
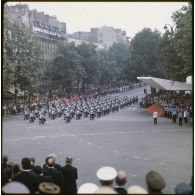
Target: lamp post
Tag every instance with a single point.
(171, 27)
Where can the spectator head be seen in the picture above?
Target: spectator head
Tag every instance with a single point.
(155, 182)
(16, 168)
(183, 188)
(87, 188)
(136, 190)
(32, 161)
(26, 163)
(4, 159)
(52, 155)
(50, 162)
(121, 178)
(106, 175)
(15, 187)
(6, 175)
(69, 160)
(48, 188)
(37, 170)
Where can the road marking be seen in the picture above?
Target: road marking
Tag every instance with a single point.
(163, 163)
(132, 174)
(138, 157)
(146, 159)
(38, 143)
(100, 147)
(81, 140)
(78, 159)
(90, 143)
(67, 135)
(116, 151)
(61, 153)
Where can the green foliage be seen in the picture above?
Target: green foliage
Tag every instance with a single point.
(20, 57)
(144, 55)
(176, 46)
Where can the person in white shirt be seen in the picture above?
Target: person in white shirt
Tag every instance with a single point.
(155, 116)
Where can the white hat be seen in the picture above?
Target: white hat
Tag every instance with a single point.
(136, 190)
(15, 187)
(106, 173)
(52, 155)
(87, 188)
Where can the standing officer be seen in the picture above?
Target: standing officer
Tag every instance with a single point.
(70, 176)
(155, 116)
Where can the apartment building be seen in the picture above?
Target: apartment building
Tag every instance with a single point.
(48, 30)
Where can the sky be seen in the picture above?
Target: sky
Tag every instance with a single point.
(129, 16)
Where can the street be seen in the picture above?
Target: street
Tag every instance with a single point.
(126, 140)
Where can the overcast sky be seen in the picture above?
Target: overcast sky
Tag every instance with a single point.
(129, 16)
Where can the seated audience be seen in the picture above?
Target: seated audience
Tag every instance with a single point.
(121, 180)
(106, 176)
(155, 182)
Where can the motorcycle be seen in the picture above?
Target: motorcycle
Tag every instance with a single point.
(42, 121)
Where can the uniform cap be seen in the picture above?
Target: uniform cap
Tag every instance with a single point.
(155, 181)
(106, 173)
(87, 188)
(49, 188)
(15, 187)
(183, 188)
(136, 190)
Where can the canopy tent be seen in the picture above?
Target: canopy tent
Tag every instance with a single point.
(165, 84)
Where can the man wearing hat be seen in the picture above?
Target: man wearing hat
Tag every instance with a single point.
(155, 182)
(70, 176)
(106, 175)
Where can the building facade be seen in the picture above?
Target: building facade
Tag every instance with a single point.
(80, 35)
(107, 36)
(47, 29)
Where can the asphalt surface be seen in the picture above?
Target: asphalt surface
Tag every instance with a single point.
(126, 140)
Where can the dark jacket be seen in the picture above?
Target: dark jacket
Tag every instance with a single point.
(69, 176)
(55, 174)
(120, 190)
(29, 179)
(44, 178)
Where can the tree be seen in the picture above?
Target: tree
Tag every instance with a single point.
(144, 55)
(176, 46)
(183, 40)
(65, 69)
(119, 54)
(89, 63)
(20, 58)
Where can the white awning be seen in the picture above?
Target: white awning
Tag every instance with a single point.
(165, 84)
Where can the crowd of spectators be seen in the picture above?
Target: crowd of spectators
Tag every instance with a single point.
(52, 178)
(175, 105)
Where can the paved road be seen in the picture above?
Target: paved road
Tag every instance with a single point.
(126, 140)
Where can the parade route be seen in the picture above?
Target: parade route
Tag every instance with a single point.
(126, 140)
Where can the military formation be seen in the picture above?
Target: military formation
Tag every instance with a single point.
(90, 107)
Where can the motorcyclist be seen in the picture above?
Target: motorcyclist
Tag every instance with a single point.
(42, 119)
(32, 117)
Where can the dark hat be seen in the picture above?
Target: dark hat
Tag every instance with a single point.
(183, 188)
(155, 181)
(49, 188)
(69, 159)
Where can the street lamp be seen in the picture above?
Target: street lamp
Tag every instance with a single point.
(171, 27)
